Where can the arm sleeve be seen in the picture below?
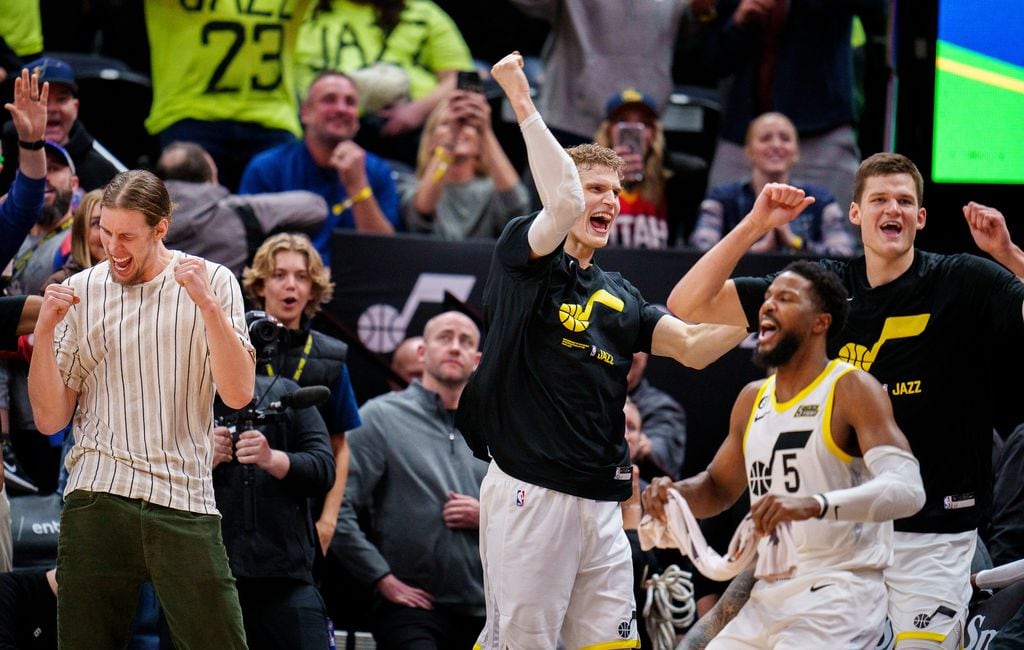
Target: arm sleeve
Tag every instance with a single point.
(558, 184)
(895, 491)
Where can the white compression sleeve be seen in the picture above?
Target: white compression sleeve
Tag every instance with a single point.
(1000, 576)
(558, 184)
(895, 491)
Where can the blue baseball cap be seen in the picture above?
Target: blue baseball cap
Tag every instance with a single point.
(630, 97)
(55, 71)
(59, 154)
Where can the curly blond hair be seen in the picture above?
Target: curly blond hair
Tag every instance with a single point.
(265, 262)
(587, 156)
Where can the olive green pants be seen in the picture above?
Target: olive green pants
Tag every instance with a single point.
(110, 545)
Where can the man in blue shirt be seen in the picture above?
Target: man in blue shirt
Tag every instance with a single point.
(356, 184)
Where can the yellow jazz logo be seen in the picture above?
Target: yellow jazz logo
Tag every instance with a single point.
(576, 318)
(896, 327)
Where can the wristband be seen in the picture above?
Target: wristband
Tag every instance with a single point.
(361, 196)
(32, 146)
(797, 242)
(823, 501)
(443, 160)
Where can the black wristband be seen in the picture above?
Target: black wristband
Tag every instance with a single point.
(32, 146)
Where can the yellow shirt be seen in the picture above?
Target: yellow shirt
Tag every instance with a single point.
(223, 61)
(425, 42)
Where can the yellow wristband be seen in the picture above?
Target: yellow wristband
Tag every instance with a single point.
(442, 154)
(797, 242)
(362, 195)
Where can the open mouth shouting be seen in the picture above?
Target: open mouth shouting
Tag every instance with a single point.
(767, 329)
(601, 223)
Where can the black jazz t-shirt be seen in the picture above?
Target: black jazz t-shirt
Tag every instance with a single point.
(546, 401)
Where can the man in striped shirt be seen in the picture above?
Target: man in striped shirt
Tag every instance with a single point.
(140, 344)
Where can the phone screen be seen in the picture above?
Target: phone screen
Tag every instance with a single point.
(469, 80)
(630, 134)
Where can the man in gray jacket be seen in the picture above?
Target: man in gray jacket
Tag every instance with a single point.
(226, 228)
(420, 482)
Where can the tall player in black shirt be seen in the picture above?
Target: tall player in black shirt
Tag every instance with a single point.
(546, 402)
(928, 326)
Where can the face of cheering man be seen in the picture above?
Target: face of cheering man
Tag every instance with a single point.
(788, 316)
(134, 249)
(601, 189)
(288, 289)
(889, 214)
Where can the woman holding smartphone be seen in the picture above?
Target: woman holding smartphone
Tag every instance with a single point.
(465, 185)
(633, 129)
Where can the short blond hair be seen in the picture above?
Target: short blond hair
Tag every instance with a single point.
(265, 262)
(587, 156)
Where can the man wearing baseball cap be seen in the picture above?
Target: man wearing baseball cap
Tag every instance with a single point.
(95, 165)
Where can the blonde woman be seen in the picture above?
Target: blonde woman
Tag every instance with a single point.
(465, 185)
(632, 128)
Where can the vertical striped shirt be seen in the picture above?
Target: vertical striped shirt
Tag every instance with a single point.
(137, 356)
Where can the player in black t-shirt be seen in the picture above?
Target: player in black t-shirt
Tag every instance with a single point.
(929, 327)
(546, 402)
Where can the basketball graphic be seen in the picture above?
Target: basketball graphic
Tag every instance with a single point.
(855, 355)
(380, 329)
(760, 478)
(568, 315)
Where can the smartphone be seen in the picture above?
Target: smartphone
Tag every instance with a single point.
(631, 135)
(470, 80)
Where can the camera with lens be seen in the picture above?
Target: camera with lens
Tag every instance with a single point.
(265, 332)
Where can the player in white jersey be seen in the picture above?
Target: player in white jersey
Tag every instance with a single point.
(816, 445)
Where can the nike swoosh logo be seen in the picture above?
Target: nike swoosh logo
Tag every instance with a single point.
(817, 587)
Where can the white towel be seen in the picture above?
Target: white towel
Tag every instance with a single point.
(682, 532)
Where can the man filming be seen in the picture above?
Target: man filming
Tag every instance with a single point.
(269, 461)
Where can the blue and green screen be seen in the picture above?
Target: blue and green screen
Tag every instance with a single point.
(979, 93)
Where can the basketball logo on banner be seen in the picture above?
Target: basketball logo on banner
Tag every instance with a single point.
(382, 327)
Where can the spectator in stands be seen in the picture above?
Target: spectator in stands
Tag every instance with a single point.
(82, 247)
(264, 478)
(662, 436)
(222, 77)
(406, 362)
(356, 184)
(222, 227)
(770, 49)
(596, 49)
(421, 484)
(95, 165)
(32, 460)
(772, 150)
(465, 185)
(643, 211)
(289, 282)
(23, 203)
(415, 36)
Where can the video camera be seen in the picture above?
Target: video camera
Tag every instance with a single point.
(250, 417)
(265, 332)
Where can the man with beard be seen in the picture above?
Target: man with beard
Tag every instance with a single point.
(135, 348)
(32, 462)
(421, 485)
(816, 444)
